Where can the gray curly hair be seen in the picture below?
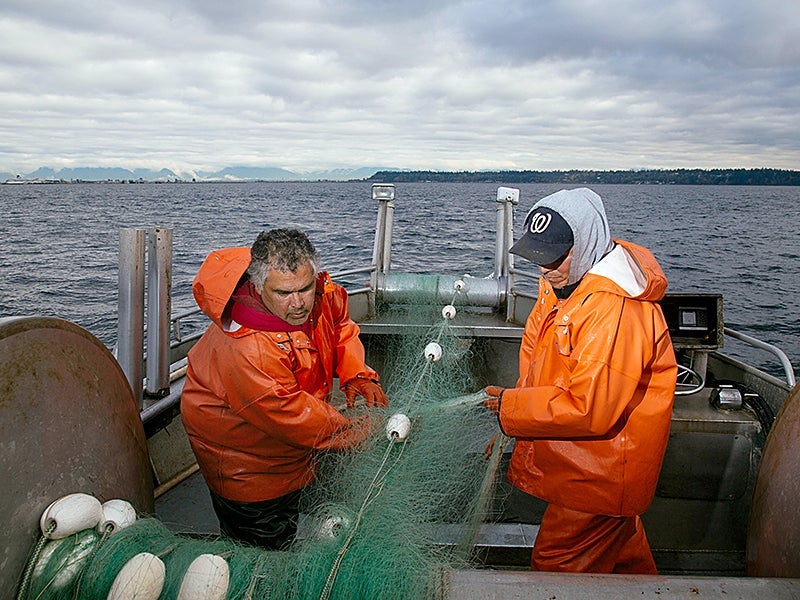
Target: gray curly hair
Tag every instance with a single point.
(280, 250)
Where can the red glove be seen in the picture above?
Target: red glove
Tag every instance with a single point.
(371, 390)
(495, 397)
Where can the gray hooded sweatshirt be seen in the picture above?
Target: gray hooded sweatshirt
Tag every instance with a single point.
(583, 211)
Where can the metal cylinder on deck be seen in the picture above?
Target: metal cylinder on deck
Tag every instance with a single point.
(159, 283)
(411, 288)
(130, 320)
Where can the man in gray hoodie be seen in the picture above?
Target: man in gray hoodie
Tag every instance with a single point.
(592, 406)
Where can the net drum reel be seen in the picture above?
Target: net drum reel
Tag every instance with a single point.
(440, 290)
(68, 422)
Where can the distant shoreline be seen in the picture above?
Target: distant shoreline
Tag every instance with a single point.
(777, 177)
(762, 177)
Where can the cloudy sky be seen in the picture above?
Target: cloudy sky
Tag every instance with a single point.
(416, 84)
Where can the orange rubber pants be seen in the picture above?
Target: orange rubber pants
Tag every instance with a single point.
(576, 542)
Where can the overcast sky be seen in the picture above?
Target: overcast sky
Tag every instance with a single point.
(415, 84)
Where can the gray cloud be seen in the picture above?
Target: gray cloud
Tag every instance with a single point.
(446, 85)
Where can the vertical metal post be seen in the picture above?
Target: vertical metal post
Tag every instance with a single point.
(509, 237)
(377, 249)
(500, 237)
(130, 308)
(386, 266)
(507, 198)
(159, 284)
(511, 301)
(382, 250)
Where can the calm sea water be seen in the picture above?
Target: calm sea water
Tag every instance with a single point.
(60, 242)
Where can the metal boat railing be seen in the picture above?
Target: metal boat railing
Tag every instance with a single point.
(788, 370)
(177, 321)
(783, 359)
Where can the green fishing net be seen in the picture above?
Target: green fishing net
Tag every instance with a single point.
(384, 520)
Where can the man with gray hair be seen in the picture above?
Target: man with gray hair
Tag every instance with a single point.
(592, 406)
(256, 402)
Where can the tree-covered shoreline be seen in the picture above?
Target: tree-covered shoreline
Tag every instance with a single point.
(650, 176)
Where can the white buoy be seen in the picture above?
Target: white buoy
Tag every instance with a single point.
(398, 426)
(117, 514)
(207, 578)
(433, 352)
(142, 578)
(449, 311)
(333, 526)
(71, 514)
(460, 285)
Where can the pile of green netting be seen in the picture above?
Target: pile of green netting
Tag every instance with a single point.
(385, 520)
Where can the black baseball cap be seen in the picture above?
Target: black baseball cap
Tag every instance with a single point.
(547, 237)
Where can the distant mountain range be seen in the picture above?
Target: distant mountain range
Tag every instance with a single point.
(46, 174)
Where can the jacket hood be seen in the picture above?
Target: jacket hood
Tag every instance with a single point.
(631, 270)
(584, 212)
(216, 281)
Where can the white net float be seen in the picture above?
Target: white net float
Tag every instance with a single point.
(433, 352)
(117, 514)
(141, 577)
(207, 578)
(449, 311)
(334, 526)
(70, 514)
(398, 426)
(336, 523)
(460, 285)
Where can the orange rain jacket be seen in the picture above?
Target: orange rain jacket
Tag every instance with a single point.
(591, 410)
(256, 403)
